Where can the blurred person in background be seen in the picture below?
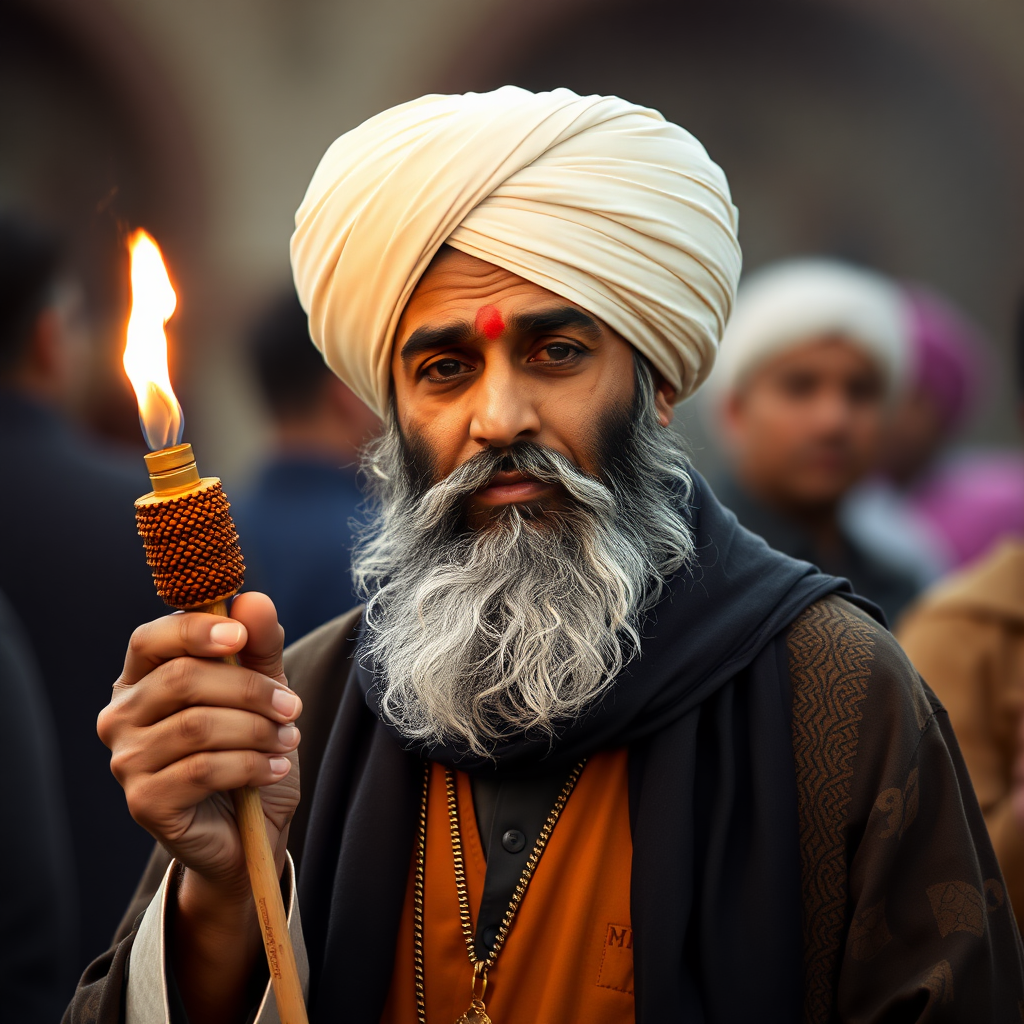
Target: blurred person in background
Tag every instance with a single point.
(924, 509)
(69, 549)
(38, 912)
(966, 637)
(295, 520)
(811, 359)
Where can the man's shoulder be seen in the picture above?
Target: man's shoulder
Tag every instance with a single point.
(832, 625)
(890, 838)
(840, 658)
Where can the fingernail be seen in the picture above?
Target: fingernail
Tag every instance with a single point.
(285, 703)
(225, 634)
(287, 735)
(280, 765)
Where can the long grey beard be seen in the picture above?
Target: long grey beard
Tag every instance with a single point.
(519, 626)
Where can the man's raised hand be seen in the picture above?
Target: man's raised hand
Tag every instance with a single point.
(184, 728)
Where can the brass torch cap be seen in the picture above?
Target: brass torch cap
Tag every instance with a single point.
(172, 469)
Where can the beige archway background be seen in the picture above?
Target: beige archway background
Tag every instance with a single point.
(886, 132)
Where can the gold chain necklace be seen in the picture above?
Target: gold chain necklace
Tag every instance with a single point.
(477, 1012)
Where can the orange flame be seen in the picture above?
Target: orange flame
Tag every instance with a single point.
(145, 350)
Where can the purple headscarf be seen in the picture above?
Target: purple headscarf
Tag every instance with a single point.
(950, 358)
(972, 502)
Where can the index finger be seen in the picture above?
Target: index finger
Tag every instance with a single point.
(196, 634)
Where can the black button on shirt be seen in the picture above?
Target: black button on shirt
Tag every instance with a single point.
(513, 840)
(511, 813)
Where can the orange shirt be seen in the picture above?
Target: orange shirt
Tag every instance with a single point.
(569, 954)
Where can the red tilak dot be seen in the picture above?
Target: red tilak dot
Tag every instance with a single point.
(489, 322)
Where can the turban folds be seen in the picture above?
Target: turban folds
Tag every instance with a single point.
(600, 201)
(794, 302)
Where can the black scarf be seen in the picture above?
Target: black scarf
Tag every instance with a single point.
(705, 712)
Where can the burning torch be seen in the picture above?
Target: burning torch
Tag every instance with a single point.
(192, 549)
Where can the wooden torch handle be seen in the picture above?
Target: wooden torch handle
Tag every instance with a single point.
(266, 892)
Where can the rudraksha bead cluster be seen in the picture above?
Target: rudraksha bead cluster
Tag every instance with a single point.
(192, 547)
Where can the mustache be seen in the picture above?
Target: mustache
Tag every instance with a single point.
(525, 457)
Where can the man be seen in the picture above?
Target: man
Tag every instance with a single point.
(811, 362)
(295, 519)
(592, 751)
(70, 550)
(967, 636)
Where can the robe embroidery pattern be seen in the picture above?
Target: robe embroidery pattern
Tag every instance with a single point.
(827, 693)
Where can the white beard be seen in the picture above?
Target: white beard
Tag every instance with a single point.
(476, 635)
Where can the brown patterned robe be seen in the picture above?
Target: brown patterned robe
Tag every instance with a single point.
(902, 892)
(905, 915)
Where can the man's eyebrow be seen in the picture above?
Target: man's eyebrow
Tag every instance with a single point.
(426, 339)
(547, 320)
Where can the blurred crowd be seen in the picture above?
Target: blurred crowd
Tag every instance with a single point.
(840, 400)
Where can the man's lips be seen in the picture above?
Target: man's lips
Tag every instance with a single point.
(507, 488)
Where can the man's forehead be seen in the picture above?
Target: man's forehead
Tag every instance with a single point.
(457, 287)
(827, 352)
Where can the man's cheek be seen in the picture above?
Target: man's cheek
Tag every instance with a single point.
(420, 456)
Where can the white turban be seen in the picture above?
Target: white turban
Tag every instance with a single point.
(791, 303)
(602, 202)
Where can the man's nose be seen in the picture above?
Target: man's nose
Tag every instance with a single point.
(504, 409)
(833, 413)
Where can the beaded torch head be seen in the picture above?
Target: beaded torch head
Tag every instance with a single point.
(186, 527)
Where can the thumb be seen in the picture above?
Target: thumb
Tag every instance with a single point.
(264, 647)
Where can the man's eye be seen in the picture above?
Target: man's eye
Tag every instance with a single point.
(556, 352)
(865, 391)
(798, 385)
(444, 369)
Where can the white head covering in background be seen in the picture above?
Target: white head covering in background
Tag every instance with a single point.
(788, 304)
(605, 203)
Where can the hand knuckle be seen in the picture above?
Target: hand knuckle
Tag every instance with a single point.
(136, 796)
(183, 629)
(120, 763)
(180, 676)
(193, 629)
(112, 720)
(262, 730)
(105, 726)
(138, 643)
(199, 769)
(194, 724)
(253, 689)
